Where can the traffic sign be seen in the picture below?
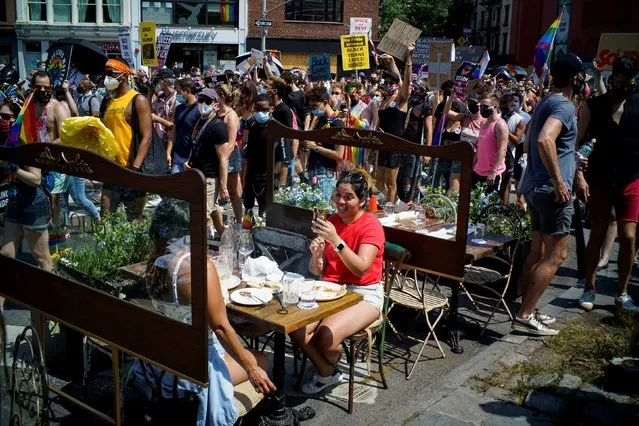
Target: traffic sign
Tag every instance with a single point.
(261, 23)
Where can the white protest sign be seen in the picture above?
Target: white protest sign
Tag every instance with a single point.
(361, 25)
(259, 57)
(125, 48)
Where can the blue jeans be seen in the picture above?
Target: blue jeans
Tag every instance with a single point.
(177, 163)
(326, 180)
(76, 190)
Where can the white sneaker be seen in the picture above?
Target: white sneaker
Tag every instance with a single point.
(587, 300)
(546, 319)
(532, 325)
(319, 383)
(624, 302)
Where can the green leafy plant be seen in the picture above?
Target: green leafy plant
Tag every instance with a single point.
(304, 196)
(116, 242)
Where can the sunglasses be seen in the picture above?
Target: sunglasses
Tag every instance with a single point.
(353, 177)
(5, 116)
(205, 101)
(112, 74)
(41, 87)
(336, 93)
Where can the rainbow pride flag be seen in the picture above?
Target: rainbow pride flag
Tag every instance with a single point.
(510, 72)
(228, 11)
(24, 130)
(545, 45)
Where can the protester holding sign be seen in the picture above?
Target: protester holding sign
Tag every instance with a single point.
(392, 116)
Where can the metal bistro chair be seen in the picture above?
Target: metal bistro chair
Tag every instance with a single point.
(492, 272)
(394, 258)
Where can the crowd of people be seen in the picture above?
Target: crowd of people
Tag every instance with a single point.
(217, 123)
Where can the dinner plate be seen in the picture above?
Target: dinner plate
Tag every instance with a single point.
(231, 282)
(271, 286)
(251, 296)
(328, 291)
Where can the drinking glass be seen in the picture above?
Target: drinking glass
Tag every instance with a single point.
(307, 296)
(224, 270)
(480, 230)
(245, 246)
(389, 209)
(292, 284)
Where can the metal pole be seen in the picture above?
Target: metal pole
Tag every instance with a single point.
(263, 28)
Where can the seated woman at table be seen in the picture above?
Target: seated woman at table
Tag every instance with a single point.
(348, 250)
(169, 284)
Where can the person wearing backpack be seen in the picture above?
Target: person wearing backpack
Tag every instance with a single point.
(88, 101)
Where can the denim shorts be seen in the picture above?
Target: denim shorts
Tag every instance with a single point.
(547, 215)
(373, 293)
(235, 161)
(30, 208)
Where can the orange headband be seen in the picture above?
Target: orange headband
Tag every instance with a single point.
(118, 66)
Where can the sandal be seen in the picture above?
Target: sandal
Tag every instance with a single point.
(319, 383)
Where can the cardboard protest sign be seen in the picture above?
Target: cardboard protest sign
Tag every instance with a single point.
(464, 74)
(615, 45)
(259, 58)
(163, 46)
(361, 25)
(397, 39)
(147, 40)
(439, 63)
(320, 67)
(125, 48)
(355, 52)
(57, 64)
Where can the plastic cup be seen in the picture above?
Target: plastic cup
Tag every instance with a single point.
(307, 296)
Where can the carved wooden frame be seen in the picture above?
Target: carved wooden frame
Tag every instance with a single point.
(444, 257)
(172, 345)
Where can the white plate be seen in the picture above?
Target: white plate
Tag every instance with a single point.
(327, 291)
(231, 282)
(251, 296)
(271, 286)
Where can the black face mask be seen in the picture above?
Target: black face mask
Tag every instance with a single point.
(353, 100)
(473, 108)
(579, 88)
(373, 81)
(486, 112)
(506, 112)
(43, 96)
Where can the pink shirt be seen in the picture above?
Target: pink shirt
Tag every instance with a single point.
(487, 149)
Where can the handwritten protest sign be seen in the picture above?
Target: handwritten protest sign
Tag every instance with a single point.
(163, 46)
(464, 74)
(125, 48)
(355, 52)
(422, 50)
(320, 67)
(259, 57)
(615, 45)
(397, 39)
(361, 25)
(147, 40)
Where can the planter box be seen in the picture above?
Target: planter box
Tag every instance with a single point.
(115, 286)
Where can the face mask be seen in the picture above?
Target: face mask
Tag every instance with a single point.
(506, 112)
(102, 91)
(354, 100)
(317, 112)
(111, 83)
(374, 81)
(261, 90)
(517, 106)
(180, 98)
(486, 112)
(390, 89)
(205, 110)
(578, 89)
(262, 117)
(5, 126)
(43, 96)
(80, 91)
(473, 108)
(377, 99)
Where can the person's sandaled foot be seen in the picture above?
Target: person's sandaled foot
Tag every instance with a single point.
(319, 383)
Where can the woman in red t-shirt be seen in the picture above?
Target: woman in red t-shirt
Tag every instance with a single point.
(348, 250)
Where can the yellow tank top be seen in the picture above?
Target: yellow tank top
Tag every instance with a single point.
(115, 119)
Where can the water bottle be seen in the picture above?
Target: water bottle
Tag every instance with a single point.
(228, 242)
(585, 150)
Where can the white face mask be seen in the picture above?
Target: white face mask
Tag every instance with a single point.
(205, 110)
(111, 83)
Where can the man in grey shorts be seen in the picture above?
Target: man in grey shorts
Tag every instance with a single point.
(547, 186)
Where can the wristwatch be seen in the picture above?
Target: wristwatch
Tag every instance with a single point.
(339, 247)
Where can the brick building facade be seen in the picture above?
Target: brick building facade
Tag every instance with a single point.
(299, 33)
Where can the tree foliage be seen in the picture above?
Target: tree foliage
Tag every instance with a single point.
(427, 15)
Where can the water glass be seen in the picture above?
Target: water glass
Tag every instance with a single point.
(221, 263)
(307, 296)
(245, 245)
(389, 209)
(292, 284)
(480, 230)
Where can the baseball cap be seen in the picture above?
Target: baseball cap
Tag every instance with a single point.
(208, 93)
(362, 74)
(391, 74)
(565, 68)
(165, 73)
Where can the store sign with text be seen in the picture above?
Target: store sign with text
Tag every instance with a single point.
(192, 36)
(616, 45)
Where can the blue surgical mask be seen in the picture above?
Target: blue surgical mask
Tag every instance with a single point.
(179, 98)
(261, 90)
(262, 117)
(102, 91)
(317, 112)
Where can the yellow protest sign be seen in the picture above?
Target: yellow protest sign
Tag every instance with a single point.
(355, 52)
(147, 41)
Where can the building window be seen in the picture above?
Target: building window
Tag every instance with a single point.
(314, 10)
(86, 11)
(111, 11)
(192, 12)
(506, 14)
(504, 49)
(37, 10)
(62, 10)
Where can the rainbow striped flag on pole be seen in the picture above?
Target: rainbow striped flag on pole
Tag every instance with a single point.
(545, 46)
(24, 130)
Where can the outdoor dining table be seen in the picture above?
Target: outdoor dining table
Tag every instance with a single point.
(283, 324)
(417, 243)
